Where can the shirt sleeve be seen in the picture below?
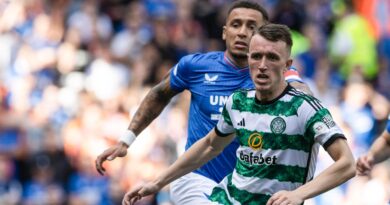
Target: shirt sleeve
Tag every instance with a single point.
(180, 74)
(388, 125)
(224, 126)
(321, 126)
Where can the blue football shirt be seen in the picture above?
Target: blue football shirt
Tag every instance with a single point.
(211, 78)
(388, 125)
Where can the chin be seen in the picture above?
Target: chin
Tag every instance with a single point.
(262, 88)
(240, 54)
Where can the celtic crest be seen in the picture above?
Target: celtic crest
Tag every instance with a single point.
(278, 125)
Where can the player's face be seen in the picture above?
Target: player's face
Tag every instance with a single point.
(240, 25)
(267, 62)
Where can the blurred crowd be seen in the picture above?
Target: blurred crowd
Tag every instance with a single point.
(72, 73)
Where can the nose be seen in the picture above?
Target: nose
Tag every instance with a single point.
(243, 32)
(262, 64)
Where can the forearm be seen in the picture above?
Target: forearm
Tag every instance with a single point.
(150, 109)
(380, 150)
(333, 176)
(200, 153)
(152, 105)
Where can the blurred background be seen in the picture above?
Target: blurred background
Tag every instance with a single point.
(73, 72)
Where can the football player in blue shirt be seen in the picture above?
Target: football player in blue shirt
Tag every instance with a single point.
(379, 151)
(211, 78)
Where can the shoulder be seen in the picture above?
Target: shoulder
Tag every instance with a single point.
(310, 102)
(202, 57)
(197, 62)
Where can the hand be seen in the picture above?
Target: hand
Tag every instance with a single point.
(119, 150)
(364, 165)
(136, 194)
(285, 198)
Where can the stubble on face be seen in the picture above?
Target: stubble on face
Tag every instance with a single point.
(239, 28)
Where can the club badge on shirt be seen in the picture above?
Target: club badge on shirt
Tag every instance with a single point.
(278, 125)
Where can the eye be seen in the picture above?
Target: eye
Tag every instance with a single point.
(256, 56)
(273, 57)
(235, 25)
(252, 26)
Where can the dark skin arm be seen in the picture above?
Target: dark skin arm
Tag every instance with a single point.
(153, 104)
(151, 107)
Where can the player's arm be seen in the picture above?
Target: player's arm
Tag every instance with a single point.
(378, 152)
(151, 106)
(201, 152)
(338, 173)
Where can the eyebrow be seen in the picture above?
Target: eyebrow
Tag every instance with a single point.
(252, 21)
(270, 53)
(255, 54)
(243, 20)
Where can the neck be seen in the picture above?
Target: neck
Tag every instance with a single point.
(238, 61)
(271, 94)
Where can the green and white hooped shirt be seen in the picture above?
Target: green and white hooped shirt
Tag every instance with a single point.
(279, 143)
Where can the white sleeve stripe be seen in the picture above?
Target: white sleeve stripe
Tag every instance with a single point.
(175, 70)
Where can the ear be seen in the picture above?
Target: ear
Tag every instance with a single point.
(224, 32)
(288, 64)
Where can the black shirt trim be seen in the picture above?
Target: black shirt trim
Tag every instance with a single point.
(333, 139)
(288, 87)
(219, 133)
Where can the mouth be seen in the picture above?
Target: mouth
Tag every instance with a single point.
(262, 78)
(241, 45)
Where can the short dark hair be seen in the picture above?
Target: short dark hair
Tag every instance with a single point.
(275, 32)
(249, 5)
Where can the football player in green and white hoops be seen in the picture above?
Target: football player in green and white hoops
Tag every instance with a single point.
(279, 130)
